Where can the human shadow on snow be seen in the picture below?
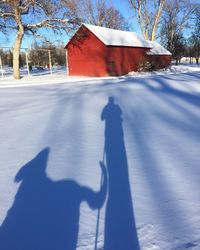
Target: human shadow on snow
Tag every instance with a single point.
(120, 230)
(45, 213)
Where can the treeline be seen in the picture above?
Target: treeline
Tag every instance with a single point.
(38, 56)
(7, 57)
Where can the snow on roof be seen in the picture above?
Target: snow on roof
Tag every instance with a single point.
(157, 49)
(118, 37)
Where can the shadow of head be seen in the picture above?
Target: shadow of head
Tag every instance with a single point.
(35, 168)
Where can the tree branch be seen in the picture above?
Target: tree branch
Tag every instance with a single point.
(8, 14)
(52, 23)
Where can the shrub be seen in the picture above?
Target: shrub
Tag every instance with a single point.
(144, 65)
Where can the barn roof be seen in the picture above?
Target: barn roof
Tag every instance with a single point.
(157, 49)
(118, 37)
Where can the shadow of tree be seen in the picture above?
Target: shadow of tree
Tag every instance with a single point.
(120, 228)
(165, 88)
(45, 213)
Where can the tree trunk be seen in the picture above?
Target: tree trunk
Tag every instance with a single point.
(153, 33)
(18, 40)
(16, 52)
(157, 19)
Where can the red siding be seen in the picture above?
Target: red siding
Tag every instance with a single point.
(160, 61)
(121, 60)
(88, 56)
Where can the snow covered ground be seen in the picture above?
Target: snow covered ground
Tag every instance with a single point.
(52, 139)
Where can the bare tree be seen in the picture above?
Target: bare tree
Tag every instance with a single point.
(38, 55)
(99, 12)
(175, 20)
(30, 16)
(195, 38)
(148, 14)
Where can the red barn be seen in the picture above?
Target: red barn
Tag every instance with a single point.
(159, 56)
(99, 51)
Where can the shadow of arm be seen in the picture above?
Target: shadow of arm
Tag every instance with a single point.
(96, 199)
